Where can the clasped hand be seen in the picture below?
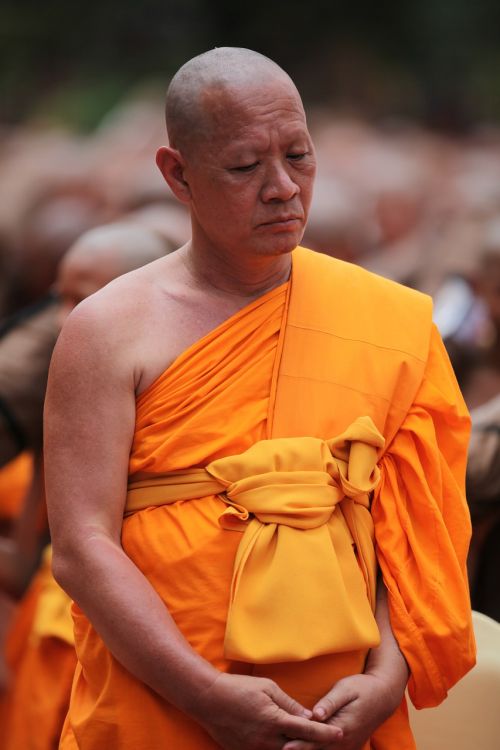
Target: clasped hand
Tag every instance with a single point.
(356, 705)
(252, 713)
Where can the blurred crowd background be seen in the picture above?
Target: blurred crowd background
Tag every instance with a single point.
(403, 105)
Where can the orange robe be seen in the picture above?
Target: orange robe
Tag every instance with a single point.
(341, 345)
(42, 660)
(15, 479)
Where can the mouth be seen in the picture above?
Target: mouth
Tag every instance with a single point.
(283, 223)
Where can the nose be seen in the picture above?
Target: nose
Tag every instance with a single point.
(278, 184)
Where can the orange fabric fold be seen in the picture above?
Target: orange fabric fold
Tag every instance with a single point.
(294, 595)
(422, 528)
(15, 479)
(42, 660)
(213, 401)
(350, 347)
(297, 591)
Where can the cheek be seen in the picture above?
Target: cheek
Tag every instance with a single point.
(306, 192)
(223, 200)
(237, 206)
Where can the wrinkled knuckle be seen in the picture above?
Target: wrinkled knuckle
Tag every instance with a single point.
(311, 732)
(268, 685)
(328, 705)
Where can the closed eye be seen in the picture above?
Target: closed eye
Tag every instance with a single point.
(245, 167)
(297, 157)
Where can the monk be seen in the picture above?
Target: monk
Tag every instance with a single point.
(255, 458)
(40, 645)
(15, 478)
(102, 254)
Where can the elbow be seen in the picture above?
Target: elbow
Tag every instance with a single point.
(68, 563)
(76, 561)
(63, 570)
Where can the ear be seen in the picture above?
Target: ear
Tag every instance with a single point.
(171, 164)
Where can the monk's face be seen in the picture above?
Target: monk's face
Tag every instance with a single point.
(251, 178)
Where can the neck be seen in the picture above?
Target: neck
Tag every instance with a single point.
(238, 277)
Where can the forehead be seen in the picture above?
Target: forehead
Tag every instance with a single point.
(243, 113)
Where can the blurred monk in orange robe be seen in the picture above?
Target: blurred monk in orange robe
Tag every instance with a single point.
(40, 649)
(15, 478)
(285, 438)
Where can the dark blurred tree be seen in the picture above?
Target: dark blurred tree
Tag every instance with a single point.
(434, 59)
(106, 46)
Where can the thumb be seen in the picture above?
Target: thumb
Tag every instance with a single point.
(340, 695)
(288, 704)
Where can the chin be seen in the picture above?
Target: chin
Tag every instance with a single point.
(278, 246)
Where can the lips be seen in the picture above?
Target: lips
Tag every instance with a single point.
(281, 220)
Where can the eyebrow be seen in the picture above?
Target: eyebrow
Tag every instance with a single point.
(247, 146)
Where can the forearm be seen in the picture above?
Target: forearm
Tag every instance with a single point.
(132, 620)
(386, 661)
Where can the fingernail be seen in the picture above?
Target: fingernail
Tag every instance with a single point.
(320, 713)
(306, 713)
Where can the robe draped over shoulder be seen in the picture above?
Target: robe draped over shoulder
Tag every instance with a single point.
(353, 345)
(423, 529)
(378, 353)
(211, 402)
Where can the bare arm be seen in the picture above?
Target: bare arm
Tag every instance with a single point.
(89, 423)
(90, 418)
(359, 704)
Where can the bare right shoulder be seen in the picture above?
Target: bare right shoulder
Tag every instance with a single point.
(90, 407)
(93, 343)
(112, 335)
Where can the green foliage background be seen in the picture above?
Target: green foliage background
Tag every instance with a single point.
(437, 61)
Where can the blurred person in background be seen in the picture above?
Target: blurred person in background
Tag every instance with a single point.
(169, 220)
(38, 647)
(47, 226)
(157, 408)
(50, 223)
(483, 494)
(341, 221)
(475, 350)
(47, 220)
(480, 377)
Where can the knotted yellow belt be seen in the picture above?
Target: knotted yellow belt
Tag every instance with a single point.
(304, 577)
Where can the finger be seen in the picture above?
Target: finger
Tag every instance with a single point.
(300, 745)
(288, 704)
(311, 731)
(340, 695)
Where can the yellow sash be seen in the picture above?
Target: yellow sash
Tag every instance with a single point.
(307, 548)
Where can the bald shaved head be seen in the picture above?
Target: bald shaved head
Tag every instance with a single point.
(102, 254)
(121, 247)
(194, 94)
(240, 156)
